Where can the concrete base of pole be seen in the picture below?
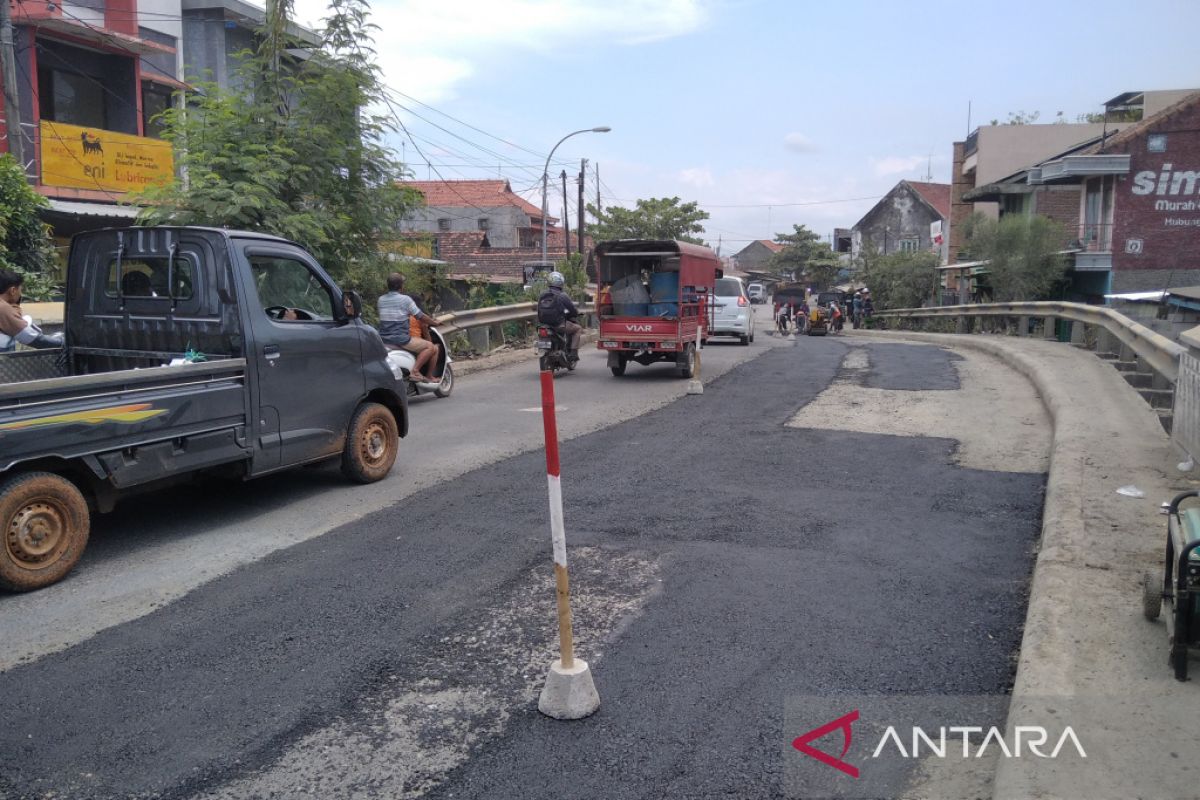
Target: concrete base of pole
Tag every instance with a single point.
(695, 386)
(569, 693)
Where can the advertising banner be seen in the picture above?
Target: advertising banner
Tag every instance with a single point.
(93, 158)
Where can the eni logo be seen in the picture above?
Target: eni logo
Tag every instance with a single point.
(639, 328)
(91, 144)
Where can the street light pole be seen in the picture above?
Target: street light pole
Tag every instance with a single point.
(546, 176)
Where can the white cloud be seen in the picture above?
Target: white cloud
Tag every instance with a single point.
(799, 143)
(699, 177)
(427, 47)
(897, 165)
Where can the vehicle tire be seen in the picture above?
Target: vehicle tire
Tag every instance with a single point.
(372, 442)
(744, 340)
(619, 369)
(1151, 595)
(687, 369)
(543, 363)
(752, 336)
(447, 384)
(44, 522)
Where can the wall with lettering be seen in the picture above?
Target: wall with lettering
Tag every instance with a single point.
(1156, 213)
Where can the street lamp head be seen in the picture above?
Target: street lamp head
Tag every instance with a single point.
(601, 129)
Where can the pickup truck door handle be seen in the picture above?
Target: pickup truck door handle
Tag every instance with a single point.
(271, 352)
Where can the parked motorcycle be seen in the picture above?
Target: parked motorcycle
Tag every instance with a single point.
(552, 350)
(401, 363)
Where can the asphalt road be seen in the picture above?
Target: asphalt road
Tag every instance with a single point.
(722, 564)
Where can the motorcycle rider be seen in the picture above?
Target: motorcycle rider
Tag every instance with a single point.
(557, 312)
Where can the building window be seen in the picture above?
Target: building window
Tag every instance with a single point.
(910, 245)
(483, 223)
(71, 98)
(444, 224)
(155, 100)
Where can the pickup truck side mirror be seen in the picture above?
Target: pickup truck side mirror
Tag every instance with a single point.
(351, 305)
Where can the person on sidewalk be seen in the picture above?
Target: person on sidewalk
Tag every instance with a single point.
(395, 308)
(15, 327)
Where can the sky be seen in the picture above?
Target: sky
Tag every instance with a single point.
(768, 113)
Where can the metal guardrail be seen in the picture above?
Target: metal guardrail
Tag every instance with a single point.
(456, 321)
(1161, 353)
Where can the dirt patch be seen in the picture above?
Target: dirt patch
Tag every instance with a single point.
(996, 417)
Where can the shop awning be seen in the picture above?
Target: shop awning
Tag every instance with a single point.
(75, 208)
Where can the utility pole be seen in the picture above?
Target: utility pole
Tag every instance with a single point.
(579, 227)
(566, 218)
(599, 207)
(12, 111)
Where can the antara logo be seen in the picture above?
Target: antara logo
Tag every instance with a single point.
(639, 328)
(1031, 738)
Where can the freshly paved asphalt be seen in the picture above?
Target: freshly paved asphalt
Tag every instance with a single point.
(792, 562)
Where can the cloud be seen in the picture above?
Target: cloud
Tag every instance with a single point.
(698, 177)
(427, 47)
(799, 143)
(897, 165)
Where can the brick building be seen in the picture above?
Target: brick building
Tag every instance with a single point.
(1138, 220)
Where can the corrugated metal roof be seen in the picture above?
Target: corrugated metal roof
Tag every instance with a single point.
(103, 210)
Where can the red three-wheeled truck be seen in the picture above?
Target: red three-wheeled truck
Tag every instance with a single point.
(654, 301)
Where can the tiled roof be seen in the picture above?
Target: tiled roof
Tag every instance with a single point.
(473, 194)
(774, 247)
(936, 194)
(1133, 131)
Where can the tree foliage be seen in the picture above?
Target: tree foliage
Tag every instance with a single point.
(25, 244)
(295, 150)
(900, 280)
(804, 257)
(1024, 262)
(654, 218)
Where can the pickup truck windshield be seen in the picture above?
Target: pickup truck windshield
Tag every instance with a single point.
(289, 283)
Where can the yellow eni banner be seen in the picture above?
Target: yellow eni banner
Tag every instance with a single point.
(93, 158)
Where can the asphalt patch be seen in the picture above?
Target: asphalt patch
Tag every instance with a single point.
(792, 561)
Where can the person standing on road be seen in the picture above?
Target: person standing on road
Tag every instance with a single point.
(395, 308)
(857, 310)
(14, 327)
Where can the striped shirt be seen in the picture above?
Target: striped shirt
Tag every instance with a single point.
(394, 311)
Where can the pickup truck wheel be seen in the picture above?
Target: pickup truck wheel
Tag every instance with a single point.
(371, 444)
(44, 522)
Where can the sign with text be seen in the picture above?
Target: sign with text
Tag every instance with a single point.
(93, 158)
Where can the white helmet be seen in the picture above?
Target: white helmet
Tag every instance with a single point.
(556, 279)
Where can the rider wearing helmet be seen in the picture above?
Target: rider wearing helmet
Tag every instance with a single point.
(556, 311)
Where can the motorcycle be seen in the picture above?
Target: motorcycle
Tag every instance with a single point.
(552, 350)
(401, 363)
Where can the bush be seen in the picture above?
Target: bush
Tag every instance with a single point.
(25, 244)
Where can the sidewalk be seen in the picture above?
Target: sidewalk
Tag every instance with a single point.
(1088, 654)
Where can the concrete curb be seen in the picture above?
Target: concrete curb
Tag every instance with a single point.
(1085, 639)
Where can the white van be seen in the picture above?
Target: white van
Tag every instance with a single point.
(757, 292)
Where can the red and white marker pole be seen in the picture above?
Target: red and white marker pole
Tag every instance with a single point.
(569, 692)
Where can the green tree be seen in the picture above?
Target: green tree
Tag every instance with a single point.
(655, 218)
(1023, 254)
(25, 244)
(805, 257)
(900, 280)
(294, 151)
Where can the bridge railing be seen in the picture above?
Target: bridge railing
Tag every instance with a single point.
(465, 320)
(1157, 351)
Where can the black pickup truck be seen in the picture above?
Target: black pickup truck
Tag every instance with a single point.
(187, 350)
